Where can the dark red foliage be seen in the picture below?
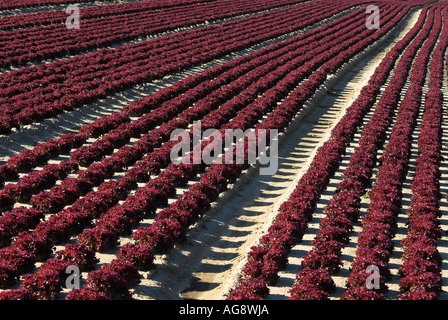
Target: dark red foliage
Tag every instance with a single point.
(6, 201)
(317, 260)
(76, 219)
(274, 253)
(8, 274)
(185, 218)
(108, 282)
(209, 191)
(161, 235)
(238, 295)
(278, 238)
(307, 292)
(55, 228)
(17, 294)
(361, 263)
(45, 284)
(327, 247)
(118, 224)
(363, 278)
(427, 281)
(418, 265)
(423, 251)
(20, 260)
(21, 219)
(86, 293)
(38, 245)
(126, 270)
(333, 233)
(361, 293)
(139, 255)
(316, 277)
(266, 272)
(98, 238)
(253, 287)
(134, 214)
(418, 295)
(78, 255)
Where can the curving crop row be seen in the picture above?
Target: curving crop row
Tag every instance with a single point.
(34, 44)
(420, 272)
(263, 90)
(163, 232)
(52, 88)
(375, 244)
(16, 4)
(56, 227)
(189, 206)
(314, 281)
(118, 128)
(196, 86)
(54, 17)
(85, 156)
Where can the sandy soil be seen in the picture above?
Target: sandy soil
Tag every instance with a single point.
(287, 276)
(208, 266)
(32, 134)
(28, 136)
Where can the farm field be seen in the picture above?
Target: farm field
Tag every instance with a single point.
(117, 182)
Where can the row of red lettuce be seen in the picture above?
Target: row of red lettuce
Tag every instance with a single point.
(171, 224)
